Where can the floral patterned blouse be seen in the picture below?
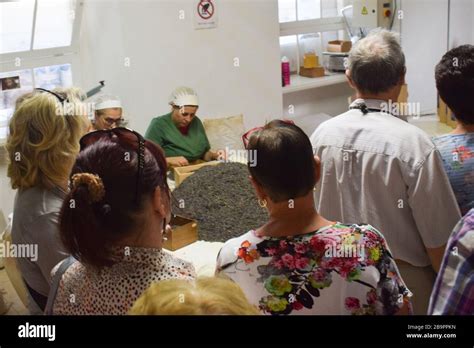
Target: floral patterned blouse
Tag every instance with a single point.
(86, 290)
(338, 269)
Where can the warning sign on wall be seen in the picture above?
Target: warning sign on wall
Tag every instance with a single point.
(205, 14)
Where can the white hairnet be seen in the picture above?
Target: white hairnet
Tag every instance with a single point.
(183, 96)
(106, 101)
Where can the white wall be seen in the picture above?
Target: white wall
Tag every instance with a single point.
(461, 15)
(424, 41)
(166, 52)
(424, 31)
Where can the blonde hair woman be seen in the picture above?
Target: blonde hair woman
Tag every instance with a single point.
(42, 145)
(204, 296)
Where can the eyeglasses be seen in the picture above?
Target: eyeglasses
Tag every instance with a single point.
(126, 136)
(110, 121)
(246, 136)
(59, 97)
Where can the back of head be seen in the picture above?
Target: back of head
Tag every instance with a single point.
(44, 138)
(204, 296)
(285, 165)
(101, 207)
(376, 63)
(22, 98)
(454, 76)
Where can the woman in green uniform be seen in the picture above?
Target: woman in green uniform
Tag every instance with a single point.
(180, 133)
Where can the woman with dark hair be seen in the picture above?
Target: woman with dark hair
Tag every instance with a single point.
(113, 222)
(299, 262)
(455, 84)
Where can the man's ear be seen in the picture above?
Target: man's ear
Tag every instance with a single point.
(258, 188)
(317, 168)
(349, 79)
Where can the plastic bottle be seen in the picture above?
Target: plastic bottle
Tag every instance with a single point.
(285, 71)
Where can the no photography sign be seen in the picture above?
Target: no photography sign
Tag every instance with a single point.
(206, 14)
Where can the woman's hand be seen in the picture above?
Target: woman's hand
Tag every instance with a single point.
(178, 161)
(210, 156)
(220, 155)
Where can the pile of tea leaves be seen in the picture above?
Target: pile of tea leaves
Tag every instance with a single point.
(222, 200)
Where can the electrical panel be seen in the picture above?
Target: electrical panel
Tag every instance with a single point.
(373, 13)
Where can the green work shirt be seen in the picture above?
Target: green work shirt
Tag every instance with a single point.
(191, 146)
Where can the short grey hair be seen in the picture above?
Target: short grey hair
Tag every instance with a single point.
(376, 63)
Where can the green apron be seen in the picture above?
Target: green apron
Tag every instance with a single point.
(191, 146)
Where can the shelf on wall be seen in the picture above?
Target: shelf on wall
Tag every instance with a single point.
(301, 83)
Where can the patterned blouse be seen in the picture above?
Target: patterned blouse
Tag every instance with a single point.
(338, 269)
(85, 290)
(457, 151)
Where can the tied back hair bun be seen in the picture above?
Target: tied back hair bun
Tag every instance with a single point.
(95, 186)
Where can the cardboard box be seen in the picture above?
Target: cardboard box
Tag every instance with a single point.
(312, 72)
(450, 119)
(403, 96)
(184, 231)
(339, 46)
(181, 173)
(442, 111)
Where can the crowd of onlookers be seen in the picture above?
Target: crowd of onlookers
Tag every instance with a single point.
(367, 216)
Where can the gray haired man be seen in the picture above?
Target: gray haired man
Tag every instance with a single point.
(379, 169)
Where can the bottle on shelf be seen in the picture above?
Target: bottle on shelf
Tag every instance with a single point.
(285, 71)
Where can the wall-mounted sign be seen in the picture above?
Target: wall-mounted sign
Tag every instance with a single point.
(205, 14)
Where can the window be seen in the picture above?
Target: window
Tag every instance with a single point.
(54, 23)
(38, 48)
(16, 25)
(309, 25)
(51, 77)
(48, 77)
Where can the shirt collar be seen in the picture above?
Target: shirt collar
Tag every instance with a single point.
(136, 255)
(58, 191)
(376, 104)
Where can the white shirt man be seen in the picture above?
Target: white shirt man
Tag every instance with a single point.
(381, 170)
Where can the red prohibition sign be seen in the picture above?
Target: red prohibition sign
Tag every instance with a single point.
(205, 9)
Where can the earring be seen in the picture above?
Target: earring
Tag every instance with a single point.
(164, 230)
(262, 202)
